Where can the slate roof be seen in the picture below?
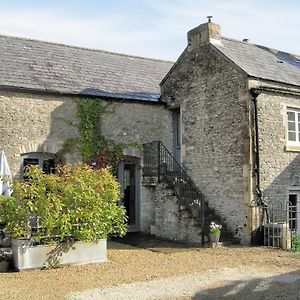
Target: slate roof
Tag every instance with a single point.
(262, 62)
(43, 66)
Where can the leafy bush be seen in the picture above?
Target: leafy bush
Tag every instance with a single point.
(77, 202)
(295, 242)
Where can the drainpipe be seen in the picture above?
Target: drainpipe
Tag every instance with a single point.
(255, 93)
(260, 202)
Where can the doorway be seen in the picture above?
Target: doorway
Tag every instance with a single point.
(129, 178)
(294, 211)
(177, 134)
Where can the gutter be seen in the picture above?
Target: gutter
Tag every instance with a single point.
(107, 97)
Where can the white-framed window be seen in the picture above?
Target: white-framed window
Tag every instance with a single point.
(293, 126)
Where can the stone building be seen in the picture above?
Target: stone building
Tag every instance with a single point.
(226, 113)
(239, 108)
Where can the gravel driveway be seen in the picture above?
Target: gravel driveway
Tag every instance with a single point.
(165, 273)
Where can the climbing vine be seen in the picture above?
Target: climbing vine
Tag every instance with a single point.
(92, 144)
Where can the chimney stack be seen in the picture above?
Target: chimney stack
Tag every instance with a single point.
(203, 34)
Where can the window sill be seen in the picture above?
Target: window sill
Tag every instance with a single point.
(292, 148)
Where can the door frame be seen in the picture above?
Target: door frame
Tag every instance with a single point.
(297, 193)
(177, 137)
(137, 225)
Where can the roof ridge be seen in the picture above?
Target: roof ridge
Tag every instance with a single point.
(84, 48)
(263, 46)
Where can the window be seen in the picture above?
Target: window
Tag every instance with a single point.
(293, 126)
(44, 160)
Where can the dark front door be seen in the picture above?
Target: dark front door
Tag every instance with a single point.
(128, 176)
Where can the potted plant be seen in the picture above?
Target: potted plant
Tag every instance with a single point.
(214, 232)
(62, 218)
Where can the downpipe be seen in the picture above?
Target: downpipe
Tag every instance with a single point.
(259, 195)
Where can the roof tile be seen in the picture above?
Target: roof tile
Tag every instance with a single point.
(66, 69)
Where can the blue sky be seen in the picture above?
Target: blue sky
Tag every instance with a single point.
(153, 28)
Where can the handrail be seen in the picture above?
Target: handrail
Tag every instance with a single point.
(160, 163)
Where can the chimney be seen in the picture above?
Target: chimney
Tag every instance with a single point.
(205, 33)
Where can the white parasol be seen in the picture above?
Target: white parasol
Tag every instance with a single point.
(5, 175)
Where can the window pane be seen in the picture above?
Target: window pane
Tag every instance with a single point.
(49, 166)
(28, 162)
(292, 136)
(292, 126)
(291, 116)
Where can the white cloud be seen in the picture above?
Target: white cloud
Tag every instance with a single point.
(162, 34)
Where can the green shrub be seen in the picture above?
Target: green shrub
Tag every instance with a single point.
(295, 242)
(77, 202)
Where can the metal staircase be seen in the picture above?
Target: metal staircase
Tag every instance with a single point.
(160, 163)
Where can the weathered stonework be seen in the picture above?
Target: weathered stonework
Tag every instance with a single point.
(171, 221)
(215, 114)
(33, 123)
(279, 166)
(41, 123)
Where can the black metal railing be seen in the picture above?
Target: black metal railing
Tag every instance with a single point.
(161, 164)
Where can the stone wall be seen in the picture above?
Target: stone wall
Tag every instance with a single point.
(41, 123)
(215, 102)
(279, 165)
(170, 221)
(33, 123)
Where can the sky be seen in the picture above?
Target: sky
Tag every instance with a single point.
(153, 28)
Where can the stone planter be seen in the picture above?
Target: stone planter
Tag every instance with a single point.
(214, 238)
(26, 256)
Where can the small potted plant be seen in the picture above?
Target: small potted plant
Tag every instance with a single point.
(214, 232)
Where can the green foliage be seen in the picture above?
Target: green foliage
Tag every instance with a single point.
(91, 139)
(215, 231)
(77, 202)
(215, 228)
(295, 242)
(92, 144)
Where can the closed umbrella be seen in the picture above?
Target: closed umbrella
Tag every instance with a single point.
(5, 175)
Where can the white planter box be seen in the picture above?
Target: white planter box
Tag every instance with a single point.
(36, 257)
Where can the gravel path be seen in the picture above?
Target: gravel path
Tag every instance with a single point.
(196, 285)
(165, 273)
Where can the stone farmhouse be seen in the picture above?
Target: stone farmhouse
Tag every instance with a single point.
(213, 136)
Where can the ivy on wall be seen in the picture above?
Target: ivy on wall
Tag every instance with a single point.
(92, 144)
